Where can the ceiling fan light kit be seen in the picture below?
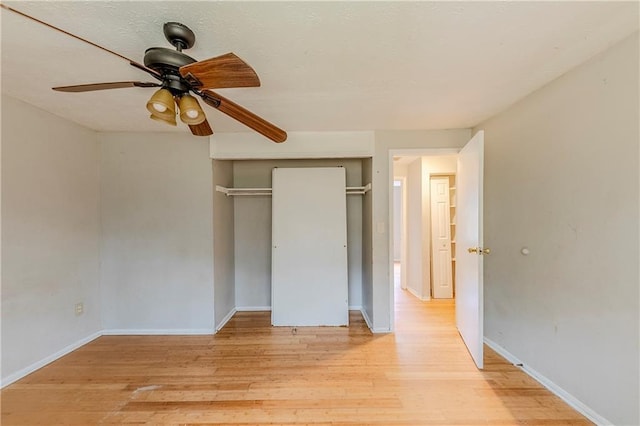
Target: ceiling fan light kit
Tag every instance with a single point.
(190, 111)
(179, 75)
(161, 103)
(169, 119)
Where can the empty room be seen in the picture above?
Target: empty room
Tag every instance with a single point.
(330, 212)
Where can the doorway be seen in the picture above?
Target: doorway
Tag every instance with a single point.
(469, 235)
(423, 216)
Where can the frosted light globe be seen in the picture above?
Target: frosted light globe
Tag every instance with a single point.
(159, 107)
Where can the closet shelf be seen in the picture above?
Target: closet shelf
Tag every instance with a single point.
(351, 190)
(243, 191)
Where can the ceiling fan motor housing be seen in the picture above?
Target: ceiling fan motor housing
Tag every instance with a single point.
(167, 62)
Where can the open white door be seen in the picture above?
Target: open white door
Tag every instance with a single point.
(469, 249)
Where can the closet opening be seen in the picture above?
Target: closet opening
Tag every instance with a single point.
(243, 237)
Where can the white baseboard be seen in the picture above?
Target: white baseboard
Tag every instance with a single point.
(226, 319)
(268, 308)
(156, 331)
(574, 402)
(415, 293)
(253, 308)
(47, 360)
(370, 324)
(366, 319)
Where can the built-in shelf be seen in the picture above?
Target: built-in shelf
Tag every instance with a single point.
(351, 190)
(243, 191)
(452, 200)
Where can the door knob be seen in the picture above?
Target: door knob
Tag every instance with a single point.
(479, 250)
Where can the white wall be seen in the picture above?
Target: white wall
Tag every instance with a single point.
(157, 251)
(251, 145)
(253, 252)
(367, 243)
(417, 258)
(397, 222)
(400, 171)
(51, 236)
(223, 245)
(561, 178)
(439, 165)
(381, 312)
(252, 223)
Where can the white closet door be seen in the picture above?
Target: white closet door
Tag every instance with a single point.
(309, 284)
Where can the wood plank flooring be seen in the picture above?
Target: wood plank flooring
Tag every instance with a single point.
(252, 373)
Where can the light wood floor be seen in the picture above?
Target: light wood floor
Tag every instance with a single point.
(251, 373)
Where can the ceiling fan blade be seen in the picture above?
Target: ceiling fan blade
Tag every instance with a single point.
(104, 86)
(220, 72)
(202, 129)
(151, 72)
(154, 73)
(243, 115)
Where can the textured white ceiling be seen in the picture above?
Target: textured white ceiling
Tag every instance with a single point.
(323, 65)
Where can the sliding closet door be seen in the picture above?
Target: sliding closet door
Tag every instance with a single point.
(309, 247)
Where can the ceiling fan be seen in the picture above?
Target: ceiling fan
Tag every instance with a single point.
(179, 76)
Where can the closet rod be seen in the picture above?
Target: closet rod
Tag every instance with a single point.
(350, 190)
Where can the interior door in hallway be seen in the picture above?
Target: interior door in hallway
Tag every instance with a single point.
(469, 249)
(441, 239)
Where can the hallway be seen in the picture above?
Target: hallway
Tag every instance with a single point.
(426, 335)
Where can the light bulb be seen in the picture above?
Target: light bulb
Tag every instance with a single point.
(159, 107)
(192, 113)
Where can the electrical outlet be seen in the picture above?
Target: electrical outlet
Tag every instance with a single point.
(79, 308)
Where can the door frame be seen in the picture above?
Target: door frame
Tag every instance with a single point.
(423, 152)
